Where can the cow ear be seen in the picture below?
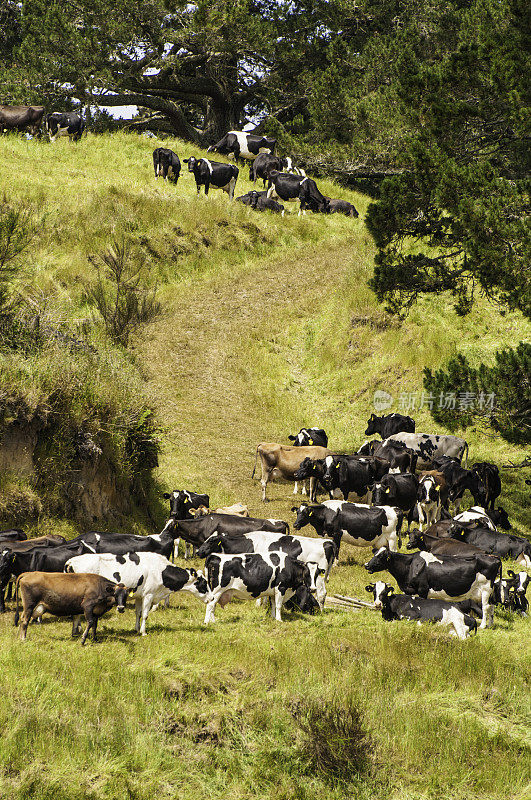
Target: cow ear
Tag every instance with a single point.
(166, 496)
(369, 587)
(294, 508)
(390, 590)
(437, 488)
(193, 573)
(511, 573)
(186, 160)
(373, 416)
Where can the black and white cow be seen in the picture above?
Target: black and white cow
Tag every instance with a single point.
(428, 446)
(313, 471)
(251, 576)
(342, 207)
(478, 515)
(400, 490)
(238, 144)
(405, 606)
(305, 548)
(429, 499)
(264, 163)
(260, 203)
(197, 531)
(442, 577)
(291, 188)
(349, 474)
(389, 424)
(358, 525)
(182, 500)
(504, 545)
(400, 457)
(207, 173)
(64, 124)
(167, 164)
(150, 578)
(517, 585)
(120, 543)
(309, 436)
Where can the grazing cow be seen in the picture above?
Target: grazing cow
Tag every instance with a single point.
(260, 203)
(198, 530)
(404, 606)
(223, 176)
(12, 535)
(342, 207)
(64, 124)
(348, 474)
(21, 118)
(442, 577)
(148, 576)
(400, 490)
(504, 545)
(66, 596)
(284, 461)
(358, 525)
(489, 476)
(428, 446)
(291, 188)
(238, 144)
(181, 501)
(167, 164)
(302, 601)
(389, 424)
(255, 575)
(441, 546)
(307, 437)
(432, 496)
(305, 548)
(264, 163)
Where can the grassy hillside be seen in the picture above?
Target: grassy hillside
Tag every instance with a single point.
(268, 325)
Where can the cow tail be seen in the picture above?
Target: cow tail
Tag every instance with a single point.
(466, 456)
(399, 522)
(17, 614)
(255, 460)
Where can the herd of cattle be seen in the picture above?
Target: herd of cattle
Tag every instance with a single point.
(284, 181)
(453, 578)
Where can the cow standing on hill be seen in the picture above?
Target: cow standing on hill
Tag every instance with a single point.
(213, 173)
(21, 118)
(283, 460)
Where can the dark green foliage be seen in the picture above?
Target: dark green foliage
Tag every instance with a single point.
(18, 228)
(336, 741)
(500, 394)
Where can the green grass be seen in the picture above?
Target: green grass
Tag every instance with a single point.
(268, 325)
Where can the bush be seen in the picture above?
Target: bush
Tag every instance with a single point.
(336, 741)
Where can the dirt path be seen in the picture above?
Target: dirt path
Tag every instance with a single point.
(201, 363)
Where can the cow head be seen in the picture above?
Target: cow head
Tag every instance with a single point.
(379, 561)
(304, 515)
(300, 575)
(197, 585)
(120, 596)
(385, 492)
(500, 518)
(380, 592)
(193, 162)
(306, 469)
(374, 425)
(428, 490)
(6, 562)
(519, 582)
(214, 544)
(331, 474)
(415, 540)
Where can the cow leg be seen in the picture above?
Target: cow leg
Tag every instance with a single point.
(91, 623)
(264, 481)
(207, 187)
(277, 601)
(146, 608)
(175, 553)
(2, 603)
(138, 613)
(76, 624)
(320, 590)
(211, 606)
(487, 609)
(296, 489)
(24, 622)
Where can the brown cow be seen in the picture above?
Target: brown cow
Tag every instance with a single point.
(280, 460)
(237, 510)
(441, 546)
(66, 595)
(21, 118)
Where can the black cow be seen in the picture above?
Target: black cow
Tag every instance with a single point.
(459, 480)
(348, 474)
(198, 530)
(312, 469)
(442, 577)
(399, 490)
(21, 118)
(309, 436)
(223, 176)
(255, 575)
(342, 207)
(181, 501)
(500, 518)
(292, 188)
(504, 545)
(244, 145)
(12, 535)
(387, 425)
(260, 203)
(246, 198)
(400, 457)
(354, 524)
(167, 164)
(405, 606)
(303, 601)
(517, 585)
(489, 476)
(264, 163)
(66, 123)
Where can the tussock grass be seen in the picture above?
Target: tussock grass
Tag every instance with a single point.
(267, 326)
